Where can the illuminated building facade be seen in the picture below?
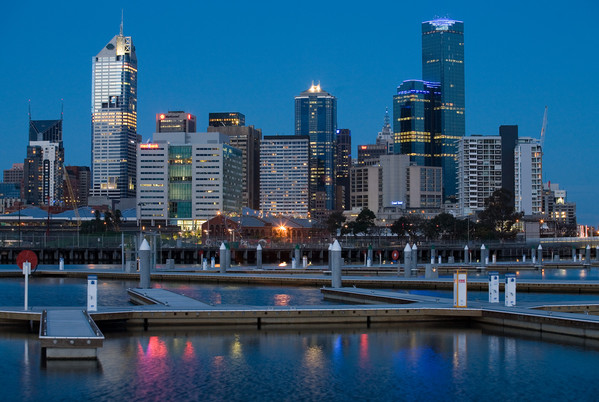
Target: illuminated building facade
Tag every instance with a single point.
(443, 62)
(247, 139)
(417, 121)
(343, 164)
(175, 122)
(528, 172)
(79, 178)
(370, 154)
(226, 119)
(184, 180)
(284, 171)
(114, 119)
(43, 168)
(316, 116)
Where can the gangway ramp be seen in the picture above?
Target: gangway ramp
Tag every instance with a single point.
(163, 297)
(69, 334)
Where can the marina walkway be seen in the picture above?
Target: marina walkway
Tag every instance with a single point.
(69, 334)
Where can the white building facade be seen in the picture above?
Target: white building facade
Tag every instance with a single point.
(285, 175)
(479, 171)
(528, 173)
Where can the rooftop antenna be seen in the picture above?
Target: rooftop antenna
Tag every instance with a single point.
(61, 108)
(29, 109)
(121, 33)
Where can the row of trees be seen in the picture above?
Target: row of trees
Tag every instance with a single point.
(496, 222)
(110, 223)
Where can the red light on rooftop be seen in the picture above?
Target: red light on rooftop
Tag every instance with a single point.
(162, 117)
(188, 116)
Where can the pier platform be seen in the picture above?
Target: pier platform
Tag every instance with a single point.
(69, 334)
(163, 297)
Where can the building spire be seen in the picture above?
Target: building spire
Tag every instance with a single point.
(121, 32)
(29, 110)
(386, 124)
(61, 108)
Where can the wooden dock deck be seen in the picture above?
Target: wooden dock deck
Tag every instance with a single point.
(163, 297)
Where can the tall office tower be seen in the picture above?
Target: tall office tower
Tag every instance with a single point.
(316, 116)
(417, 121)
(284, 175)
(226, 119)
(443, 62)
(14, 174)
(385, 136)
(175, 122)
(528, 172)
(366, 187)
(43, 168)
(247, 139)
(370, 154)
(114, 119)
(343, 164)
(480, 171)
(509, 139)
(79, 179)
(185, 180)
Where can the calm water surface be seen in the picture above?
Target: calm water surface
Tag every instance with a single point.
(407, 362)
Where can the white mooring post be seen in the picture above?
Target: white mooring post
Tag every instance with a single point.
(407, 261)
(92, 293)
(259, 256)
(144, 265)
(61, 264)
(466, 256)
(460, 289)
(510, 290)
(335, 257)
(223, 258)
(26, 272)
(493, 287)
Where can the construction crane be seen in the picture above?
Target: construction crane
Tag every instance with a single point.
(72, 197)
(543, 129)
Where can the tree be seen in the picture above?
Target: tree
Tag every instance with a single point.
(410, 226)
(363, 222)
(498, 219)
(335, 222)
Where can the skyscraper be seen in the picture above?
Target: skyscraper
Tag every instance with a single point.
(509, 139)
(443, 62)
(43, 169)
(416, 121)
(342, 167)
(175, 122)
(247, 140)
(528, 173)
(316, 116)
(114, 119)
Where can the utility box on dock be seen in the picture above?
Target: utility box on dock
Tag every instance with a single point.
(493, 287)
(92, 293)
(460, 289)
(510, 290)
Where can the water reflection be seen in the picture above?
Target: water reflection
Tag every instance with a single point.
(282, 300)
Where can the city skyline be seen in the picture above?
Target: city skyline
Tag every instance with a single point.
(510, 76)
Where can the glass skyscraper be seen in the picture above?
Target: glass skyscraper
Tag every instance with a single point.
(114, 119)
(416, 121)
(443, 62)
(316, 116)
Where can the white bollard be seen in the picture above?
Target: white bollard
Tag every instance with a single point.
(466, 256)
(336, 262)
(61, 264)
(407, 260)
(493, 287)
(460, 289)
(510, 290)
(212, 262)
(144, 265)
(305, 261)
(26, 272)
(92, 293)
(204, 264)
(440, 260)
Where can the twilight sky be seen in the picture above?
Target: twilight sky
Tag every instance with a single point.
(254, 57)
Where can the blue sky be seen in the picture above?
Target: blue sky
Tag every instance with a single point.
(254, 57)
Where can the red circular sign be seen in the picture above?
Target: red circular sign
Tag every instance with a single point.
(27, 256)
(395, 255)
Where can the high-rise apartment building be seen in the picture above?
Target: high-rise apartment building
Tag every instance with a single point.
(528, 172)
(43, 168)
(184, 180)
(284, 175)
(175, 122)
(480, 171)
(343, 164)
(443, 62)
(247, 140)
(509, 139)
(114, 119)
(316, 116)
(417, 122)
(226, 119)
